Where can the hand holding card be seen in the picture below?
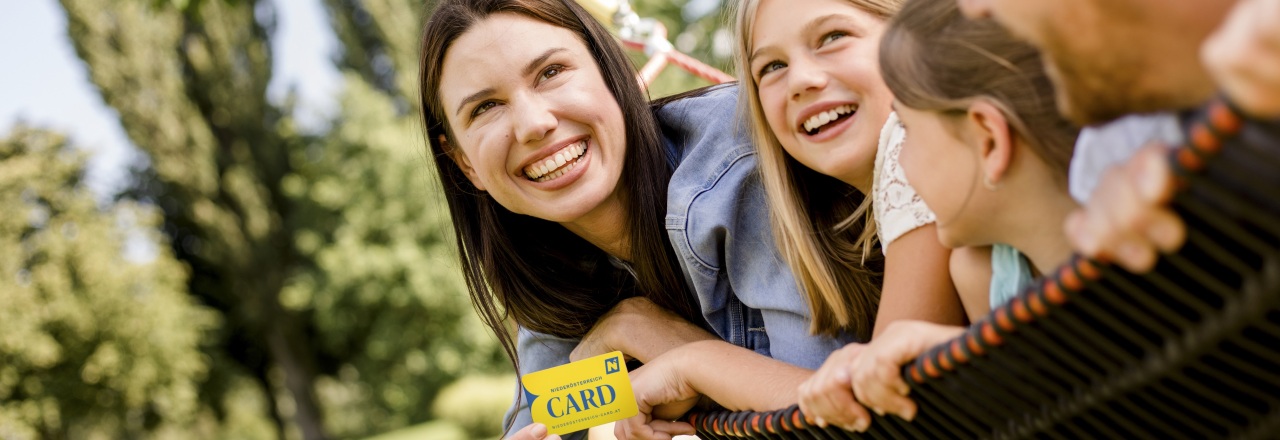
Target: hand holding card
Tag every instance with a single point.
(582, 394)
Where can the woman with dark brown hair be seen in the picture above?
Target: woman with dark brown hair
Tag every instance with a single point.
(561, 179)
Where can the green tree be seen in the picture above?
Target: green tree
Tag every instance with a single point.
(92, 344)
(384, 292)
(327, 255)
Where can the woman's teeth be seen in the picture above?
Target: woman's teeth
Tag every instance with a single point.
(555, 166)
(819, 120)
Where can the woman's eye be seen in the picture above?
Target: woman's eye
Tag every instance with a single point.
(769, 68)
(551, 71)
(833, 36)
(483, 107)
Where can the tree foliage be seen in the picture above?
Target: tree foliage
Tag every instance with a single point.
(92, 344)
(326, 254)
(330, 300)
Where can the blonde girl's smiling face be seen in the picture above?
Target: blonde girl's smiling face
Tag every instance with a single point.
(815, 63)
(532, 120)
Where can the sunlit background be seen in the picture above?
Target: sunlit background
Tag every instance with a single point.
(219, 222)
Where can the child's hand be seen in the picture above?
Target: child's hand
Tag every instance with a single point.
(876, 373)
(1127, 220)
(1243, 56)
(662, 395)
(533, 431)
(827, 396)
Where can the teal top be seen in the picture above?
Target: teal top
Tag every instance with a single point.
(1010, 274)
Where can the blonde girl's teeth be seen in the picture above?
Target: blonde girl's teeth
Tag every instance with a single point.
(560, 160)
(550, 164)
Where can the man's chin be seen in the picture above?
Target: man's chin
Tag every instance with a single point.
(1085, 109)
(1092, 91)
(1097, 106)
(1094, 95)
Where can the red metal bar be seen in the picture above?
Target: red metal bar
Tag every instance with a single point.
(653, 67)
(688, 63)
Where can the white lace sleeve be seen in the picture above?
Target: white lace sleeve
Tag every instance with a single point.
(895, 205)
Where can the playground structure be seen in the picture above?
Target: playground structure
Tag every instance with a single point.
(649, 36)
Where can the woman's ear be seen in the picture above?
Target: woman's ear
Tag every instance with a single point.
(460, 158)
(994, 140)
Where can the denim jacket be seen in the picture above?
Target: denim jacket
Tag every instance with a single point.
(718, 221)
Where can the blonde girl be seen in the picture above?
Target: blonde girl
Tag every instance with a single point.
(820, 106)
(820, 112)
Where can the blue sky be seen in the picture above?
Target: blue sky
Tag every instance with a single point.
(44, 84)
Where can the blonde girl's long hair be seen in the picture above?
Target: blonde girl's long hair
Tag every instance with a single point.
(823, 226)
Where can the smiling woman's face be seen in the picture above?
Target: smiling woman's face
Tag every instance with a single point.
(534, 124)
(816, 65)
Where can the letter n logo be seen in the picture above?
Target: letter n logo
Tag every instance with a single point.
(611, 366)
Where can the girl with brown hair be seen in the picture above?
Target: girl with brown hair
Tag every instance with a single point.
(987, 150)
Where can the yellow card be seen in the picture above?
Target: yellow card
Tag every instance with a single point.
(582, 394)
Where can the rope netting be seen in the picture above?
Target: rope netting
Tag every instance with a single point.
(1188, 350)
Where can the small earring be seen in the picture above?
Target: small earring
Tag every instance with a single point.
(986, 182)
